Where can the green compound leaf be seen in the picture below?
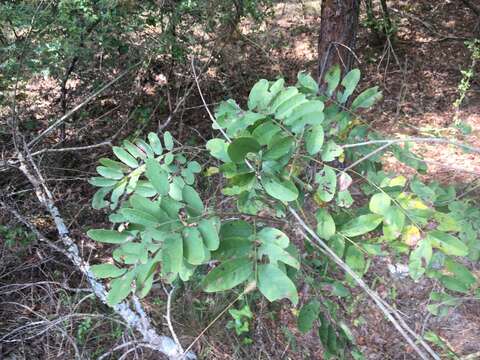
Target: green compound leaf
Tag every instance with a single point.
(193, 249)
(367, 98)
(314, 139)
(327, 184)
(307, 316)
(380, 203)
(228, 275)
(125, 157)
(361, 225)
(325, 224)
(274, 284)
(218, 149)
(283, 190)
(120, 288)
(240, 147)
(193, 201)
(104, 271)
(446, 243)
(168, 140)
(155, 143)
(158, 177)
(108, 236)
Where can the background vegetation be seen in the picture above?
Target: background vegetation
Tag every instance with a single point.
(177, 158)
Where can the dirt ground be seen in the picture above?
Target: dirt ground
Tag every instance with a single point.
(419, 75)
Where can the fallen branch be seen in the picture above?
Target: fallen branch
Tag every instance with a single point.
(137, 319)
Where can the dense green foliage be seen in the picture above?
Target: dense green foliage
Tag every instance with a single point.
(62, 38)
(164, 229)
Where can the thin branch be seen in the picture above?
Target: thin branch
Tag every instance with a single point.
(212, 118)
(82, 104)
(369, 155)
(250, 287)
(373, 295)
(415, 139)
(76, 148)
(168, 317)
(116, 348)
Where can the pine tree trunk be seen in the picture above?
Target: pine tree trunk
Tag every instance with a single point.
(338, 30)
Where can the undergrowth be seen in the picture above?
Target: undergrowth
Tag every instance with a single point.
(290, 151)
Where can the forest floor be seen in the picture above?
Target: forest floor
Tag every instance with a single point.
(419, 75)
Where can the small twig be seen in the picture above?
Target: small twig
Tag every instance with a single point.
(82, 104)
(250, 287)
(373, 295)
(116, 348)
(212, 118)
(369, 155)
(180, 103)
(414, 139)
(76, 148)
(168, 317)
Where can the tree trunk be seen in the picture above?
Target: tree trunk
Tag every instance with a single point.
(338, 29)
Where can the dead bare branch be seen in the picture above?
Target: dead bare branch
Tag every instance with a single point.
(136, 319)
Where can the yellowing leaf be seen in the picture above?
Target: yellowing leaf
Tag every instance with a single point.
(212, 170)
(411, 235)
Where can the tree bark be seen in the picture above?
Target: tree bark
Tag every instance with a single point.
(338, 30)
